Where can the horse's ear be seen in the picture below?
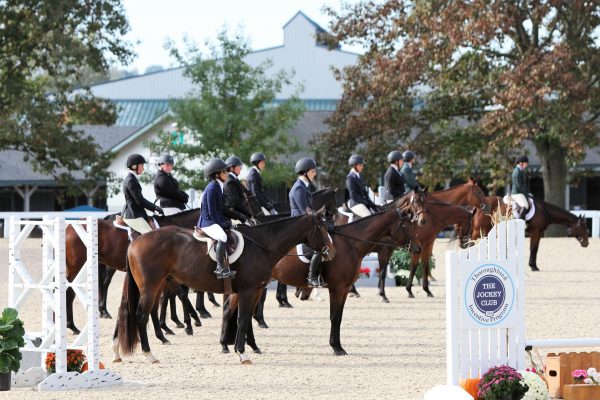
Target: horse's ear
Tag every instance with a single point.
(473, 210)
(471, 180)
(425, 189)
(322, 210)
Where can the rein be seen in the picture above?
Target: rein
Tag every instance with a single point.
(376, 243)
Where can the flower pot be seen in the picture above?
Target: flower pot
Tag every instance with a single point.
(5, 379)
(511, 396)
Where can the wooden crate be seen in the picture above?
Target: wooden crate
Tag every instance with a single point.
(581, 392)
(559, 368)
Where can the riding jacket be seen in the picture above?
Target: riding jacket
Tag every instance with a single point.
(135, 203)
(410, 180)
(256, 187)
(235, 195)
(357, 190)
(394, 183)
(167, 191)
(213, 207)
(519, 184)
(300, 198)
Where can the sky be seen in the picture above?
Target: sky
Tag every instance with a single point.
(153, 21)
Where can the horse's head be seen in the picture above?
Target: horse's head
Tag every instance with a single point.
(417, 207)
(579, 230)
(319, 237)
(326, 197)
(476, 197)
(463, 228)
(404, 232)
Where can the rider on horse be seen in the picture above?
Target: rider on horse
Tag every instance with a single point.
(520, 192)
(259, 162)
(134, 212)
(411, 184)
(301, 199)
(172, 199)
(212, 222)
(359, 201)
(394, 180)
(235, 192)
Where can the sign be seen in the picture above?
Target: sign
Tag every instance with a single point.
(489, 295)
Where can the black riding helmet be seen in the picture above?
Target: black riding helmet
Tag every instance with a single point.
(213, 166)
(233, 161)
(304, 165)
(408, 155)
(135, 159)
(394, 156)
(166, 159)
(522, 159)
(255, 158)
(355, 159)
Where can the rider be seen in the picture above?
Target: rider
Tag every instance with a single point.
(172, 199)
(411, 184)
(520, 191)
(300, 200)
(394, 180)
(259, 162)
(212, 221)
(359, 201)
(134, 212)
(235, 192)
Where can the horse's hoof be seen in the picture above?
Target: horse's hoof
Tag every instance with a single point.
(167, 330)
(340, 352)
(179, 325)
(105, 315)
(156, 362)
(429, 294)
(150, 357)
(189, 331)
(217, 305)
(287, 304)
(225, 350)
(411, 296)
(118, 360)
(197, 323)
(74, 329)
(385, 300)
(257, 350)
(166, 342)
(263, 325)
(244, 360)
(534, 268)
(204, 314)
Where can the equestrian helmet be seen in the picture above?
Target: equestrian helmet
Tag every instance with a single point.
(257, 157)
(166, 159)
(213, 166)
(135, 159)
(394, 156)
(304, 165)
(355, 159)
(522, 159)
(233, 161)
(408, 155)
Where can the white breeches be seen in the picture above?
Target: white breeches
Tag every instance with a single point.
(216, 232)
(521, 200)
(171, 210)
(361, 210)
(138, 224)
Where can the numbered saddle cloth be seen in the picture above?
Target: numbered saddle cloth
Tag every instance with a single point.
(235, 244)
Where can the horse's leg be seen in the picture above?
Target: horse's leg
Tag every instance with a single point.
(383, 256)
(200, 305)
(211, 298)
(259, 310)
(188, 310)
(154, 315)
(534, 245)
(411, 275)
(282, 295)
(426, 255)
(337, 299)
(354, 292)
(245, 306)
(105, 276)
(164, 300)
(69, 303)
(229, 324)
(146, 306)
(173, 309)
(250, 336)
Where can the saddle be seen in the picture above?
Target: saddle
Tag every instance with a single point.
(119, 223)
(304, 252)
(345, 210)
(530, 212)
(235, 244)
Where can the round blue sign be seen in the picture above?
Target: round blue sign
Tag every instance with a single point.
(489, 294)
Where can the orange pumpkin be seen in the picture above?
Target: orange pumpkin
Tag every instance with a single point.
(84, 367)
(470, 386)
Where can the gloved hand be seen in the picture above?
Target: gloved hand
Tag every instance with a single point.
(227, 226)
(160, 211)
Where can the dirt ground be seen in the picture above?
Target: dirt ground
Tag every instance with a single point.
(396, 351)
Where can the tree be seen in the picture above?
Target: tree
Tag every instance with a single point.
(466, 83)
(232, 110)
(45, 48)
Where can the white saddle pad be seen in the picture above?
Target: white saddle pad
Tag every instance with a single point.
(210, 244)
(508, 201)
(347, 214)
(300, 252)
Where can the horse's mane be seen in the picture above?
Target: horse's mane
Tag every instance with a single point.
(450, 188)
(366, 218)
(553, 207)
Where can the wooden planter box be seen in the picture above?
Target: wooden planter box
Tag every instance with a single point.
(559, 368)
(581, 392)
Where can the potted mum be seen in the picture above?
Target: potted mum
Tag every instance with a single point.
(75, 360)
(501, 383)
(11, 339)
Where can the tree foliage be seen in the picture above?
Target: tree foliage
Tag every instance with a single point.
(232, 110)
(45, 47)
(466, 83)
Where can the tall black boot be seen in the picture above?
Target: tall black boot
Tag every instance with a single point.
(523, 213)
(221, 271)
(313, 270)
(282, 295)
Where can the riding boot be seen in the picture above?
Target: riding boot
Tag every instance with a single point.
(523, 213)
(313, 271)
(221, 271)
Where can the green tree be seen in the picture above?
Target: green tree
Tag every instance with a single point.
(45, 48)
(233, 109)
(466, 83)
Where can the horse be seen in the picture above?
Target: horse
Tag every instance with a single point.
(112, 252)
(173, 251)
(352, 242)
(545, 214)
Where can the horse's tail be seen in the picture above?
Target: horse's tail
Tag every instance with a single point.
(128, 328)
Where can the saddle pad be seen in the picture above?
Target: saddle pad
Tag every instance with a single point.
(232, 256)
(300, 251)
(350, 215)
(508, 201)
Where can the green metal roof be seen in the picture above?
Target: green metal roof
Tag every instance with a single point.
(139, 112)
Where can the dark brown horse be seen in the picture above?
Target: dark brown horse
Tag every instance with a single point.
(352, 242)
(545, 215)
(172, 251)
(112, 252)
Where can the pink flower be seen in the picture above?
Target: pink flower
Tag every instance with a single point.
(579, 374)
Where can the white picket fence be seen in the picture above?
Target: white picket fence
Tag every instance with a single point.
(53, 286)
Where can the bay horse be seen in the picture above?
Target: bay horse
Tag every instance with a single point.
(173, 251)
(545, 215)
(352, 242)
(112, 252)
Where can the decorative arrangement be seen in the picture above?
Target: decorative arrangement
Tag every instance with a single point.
(559, 374)
(470, 386)
(75, 360)
(11, 339)
(538, 390)
(400, 266)
(364, 272)
(501, 383)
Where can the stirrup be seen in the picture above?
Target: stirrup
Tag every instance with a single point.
(313, 283)
(227, 273)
